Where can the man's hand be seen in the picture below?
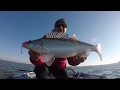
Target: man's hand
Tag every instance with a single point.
(33, 55)
(76, 60)
(79, 59)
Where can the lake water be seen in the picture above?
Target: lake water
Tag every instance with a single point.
(111, 71)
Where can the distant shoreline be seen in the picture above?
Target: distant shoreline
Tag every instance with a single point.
(15, 61)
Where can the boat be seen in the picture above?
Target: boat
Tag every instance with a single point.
(73, 75)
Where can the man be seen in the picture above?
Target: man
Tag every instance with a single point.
(58, 66)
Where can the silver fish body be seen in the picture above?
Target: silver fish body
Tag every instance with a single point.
(62, 48)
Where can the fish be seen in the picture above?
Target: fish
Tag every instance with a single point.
(62, 47)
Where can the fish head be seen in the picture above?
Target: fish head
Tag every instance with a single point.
(36, 46)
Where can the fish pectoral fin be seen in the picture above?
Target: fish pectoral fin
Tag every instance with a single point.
(47, 57)
(84, 53)
(49, 62)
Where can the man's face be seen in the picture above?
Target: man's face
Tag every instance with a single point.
(60, 28)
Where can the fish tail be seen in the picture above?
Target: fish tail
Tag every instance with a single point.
(98, 46)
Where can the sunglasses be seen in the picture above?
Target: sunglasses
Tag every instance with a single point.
(58, 25)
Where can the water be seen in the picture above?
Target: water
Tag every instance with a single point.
(111, 71)
(7, 68)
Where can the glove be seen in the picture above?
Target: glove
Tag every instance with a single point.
(76, 60)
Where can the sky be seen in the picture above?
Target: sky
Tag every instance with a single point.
(92, 27)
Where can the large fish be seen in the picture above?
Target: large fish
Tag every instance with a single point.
(61, 47)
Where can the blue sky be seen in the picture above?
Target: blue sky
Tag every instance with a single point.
(89, 26)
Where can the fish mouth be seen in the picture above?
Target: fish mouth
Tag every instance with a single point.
(24, 43)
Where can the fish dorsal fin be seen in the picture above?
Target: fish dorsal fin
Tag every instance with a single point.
(74, 37)
(55, 34)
